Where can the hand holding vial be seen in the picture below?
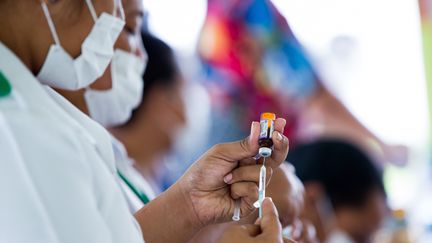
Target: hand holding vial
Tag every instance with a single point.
(228, 172)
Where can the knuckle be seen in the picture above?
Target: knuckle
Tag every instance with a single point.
(252, 190)
(269, 172)
(244, 145)
(240, 173)
(217, 148)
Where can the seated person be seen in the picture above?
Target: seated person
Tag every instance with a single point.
(67, 165)
(147, 136)
(152, 128)
(345, 197)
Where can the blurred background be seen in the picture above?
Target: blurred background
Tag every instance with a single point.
(369, 54)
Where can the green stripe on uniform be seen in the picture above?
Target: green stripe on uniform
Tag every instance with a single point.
(5, 87)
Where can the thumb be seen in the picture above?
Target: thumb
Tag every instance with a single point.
(239, 150)
(270, 225)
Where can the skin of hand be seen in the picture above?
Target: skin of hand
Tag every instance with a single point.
(214, 182)
(206, 193)
(286, 191)
(268, 229)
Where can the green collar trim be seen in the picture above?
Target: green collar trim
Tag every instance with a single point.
(141, 195)
(5, 86)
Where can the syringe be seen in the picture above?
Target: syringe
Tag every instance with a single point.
(261, 187)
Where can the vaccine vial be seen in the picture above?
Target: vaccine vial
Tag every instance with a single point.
(265, 142)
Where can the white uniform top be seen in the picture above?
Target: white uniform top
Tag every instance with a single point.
(55, 184)
(106, 143)
(125, 165)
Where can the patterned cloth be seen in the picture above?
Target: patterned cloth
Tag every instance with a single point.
(253, 64)
(426, 17)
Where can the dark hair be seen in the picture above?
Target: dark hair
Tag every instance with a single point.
(161, 69)
(347, 174)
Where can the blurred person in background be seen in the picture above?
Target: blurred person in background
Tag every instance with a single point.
(345, 196)
(254, 63)
(63, 178)
(62, 189)
(112, 97)
(151, 131)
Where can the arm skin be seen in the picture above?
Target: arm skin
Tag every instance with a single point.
(169, 215)
(326, 116)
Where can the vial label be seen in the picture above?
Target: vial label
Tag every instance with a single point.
(263, 128)
(271, 129)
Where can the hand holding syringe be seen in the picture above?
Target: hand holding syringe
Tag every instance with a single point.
(265, 142)
(267, 126)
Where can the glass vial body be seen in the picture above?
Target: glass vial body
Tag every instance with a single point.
(266, 130)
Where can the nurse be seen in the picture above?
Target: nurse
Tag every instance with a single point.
(68, 44)
(111, 99)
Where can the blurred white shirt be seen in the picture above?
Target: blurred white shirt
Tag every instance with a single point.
(125, 166)
(338, 236)
(56, 178)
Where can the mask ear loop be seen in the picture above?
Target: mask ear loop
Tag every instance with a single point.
(50, 23)
(118, 3)
(92, 10)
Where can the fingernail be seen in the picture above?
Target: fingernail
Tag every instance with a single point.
(228, 178)
(256, 204)
(269, 199)
(279, 136)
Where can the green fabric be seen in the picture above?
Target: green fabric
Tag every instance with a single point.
(141, 195)
(5, 87)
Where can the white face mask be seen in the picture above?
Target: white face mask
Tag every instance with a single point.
(114, 107)
(60, 70)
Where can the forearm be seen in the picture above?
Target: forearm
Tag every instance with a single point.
(337, 119)
(168, 218)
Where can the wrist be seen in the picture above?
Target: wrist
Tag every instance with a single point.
(180, 194)
(169, 217)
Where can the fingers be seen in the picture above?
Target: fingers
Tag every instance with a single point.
(239, 150)
(286, 240)
(235, 233)
(270, 226)
(248, 192)
(240, 234)
(247, 148)
(249, 173)
(252, 229)
(279, 152)
(268, 229)
(280, 148)
(248, 161)
(280, 125)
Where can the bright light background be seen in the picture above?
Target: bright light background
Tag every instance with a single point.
(369, 53)
(378, 71)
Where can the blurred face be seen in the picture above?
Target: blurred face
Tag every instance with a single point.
(372, 214)
(173, 112)
(358, 222)
(362, 222)
(129, 39)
